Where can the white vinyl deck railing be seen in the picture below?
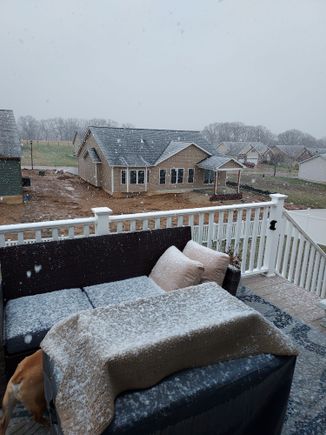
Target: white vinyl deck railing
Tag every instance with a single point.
(262, 234)
(300, 260)
(242, 229)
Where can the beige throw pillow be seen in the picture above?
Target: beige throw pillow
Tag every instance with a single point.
(174, 270)
(215, 263)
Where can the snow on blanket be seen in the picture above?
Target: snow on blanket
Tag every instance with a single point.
(134, 345)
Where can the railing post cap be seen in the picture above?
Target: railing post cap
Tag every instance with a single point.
(277, 196)
(101, 210)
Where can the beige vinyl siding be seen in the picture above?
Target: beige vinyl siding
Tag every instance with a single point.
(87, 170)
(185, 159)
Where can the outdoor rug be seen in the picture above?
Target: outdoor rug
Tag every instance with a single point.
(306, 414)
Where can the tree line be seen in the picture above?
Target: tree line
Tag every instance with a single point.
(238, 132)
(59, 129)
(64, 130)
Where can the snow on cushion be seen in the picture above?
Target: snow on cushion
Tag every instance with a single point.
(28, 319)
(117, 292)
(174, 270)
(215, 263)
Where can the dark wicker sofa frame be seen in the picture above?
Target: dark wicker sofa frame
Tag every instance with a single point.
(82, 262)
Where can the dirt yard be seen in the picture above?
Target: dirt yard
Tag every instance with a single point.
(58, 195)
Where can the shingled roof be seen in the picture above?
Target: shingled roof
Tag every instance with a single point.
(236, 148)
(144, 147)
(215, 162)
(9, 139)
(293, 151)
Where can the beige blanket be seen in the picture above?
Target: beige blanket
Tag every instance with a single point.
(105, 351)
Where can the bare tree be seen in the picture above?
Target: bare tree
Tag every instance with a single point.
(276, 158)
(296, 137)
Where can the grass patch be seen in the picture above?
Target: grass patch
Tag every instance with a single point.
(300, 192)
(49, 154)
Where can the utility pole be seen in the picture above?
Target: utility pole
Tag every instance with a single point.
(31, 142)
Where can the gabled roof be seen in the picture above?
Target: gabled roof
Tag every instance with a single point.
(236, 148)
(260, 147)
(323, 156)
(215, 162)
(175, 147)
(143, 147)
(293, 151)
(10, 146)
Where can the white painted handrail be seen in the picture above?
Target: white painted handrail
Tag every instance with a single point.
(238, 228)
(300, 259)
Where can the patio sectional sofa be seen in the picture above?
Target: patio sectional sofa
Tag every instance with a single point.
(43, 283)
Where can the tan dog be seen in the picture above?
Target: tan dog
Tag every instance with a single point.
(25, 386)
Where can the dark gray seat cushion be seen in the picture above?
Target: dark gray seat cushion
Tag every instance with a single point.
(28, 319)
(117, 292)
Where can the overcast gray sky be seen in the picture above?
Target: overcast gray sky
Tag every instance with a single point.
(167, 63)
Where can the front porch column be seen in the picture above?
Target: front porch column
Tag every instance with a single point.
(216, 183)
(127, 176)
(239, 177)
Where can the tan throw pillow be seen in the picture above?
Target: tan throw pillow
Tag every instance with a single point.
(215, 263)
(174, 270)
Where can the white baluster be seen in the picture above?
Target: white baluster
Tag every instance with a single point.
(145, 224)
(299, 260)
(133, 225)
(229, 230)
(303, 275)
(315, 272)
(245, 241)
(293, 255)
(262, 238)
(254, 240)
(220, 230)
(55, 234)
(310, 266)
(320, 275)
(200, 227)
(20, 237)
(210, 229)
(180, 221)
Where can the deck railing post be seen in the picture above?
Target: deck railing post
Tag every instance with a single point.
(273, 232)
(102, 215)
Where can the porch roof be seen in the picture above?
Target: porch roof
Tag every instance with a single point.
(215, 163)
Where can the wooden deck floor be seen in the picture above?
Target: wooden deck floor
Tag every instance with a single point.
(288, 297)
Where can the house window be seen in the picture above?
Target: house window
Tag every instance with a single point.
(123, 176)
(141, 177)
(190, 175)
(162, 176)
(176, 176)
(133, 177)
(173, 176)
(208, 176)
